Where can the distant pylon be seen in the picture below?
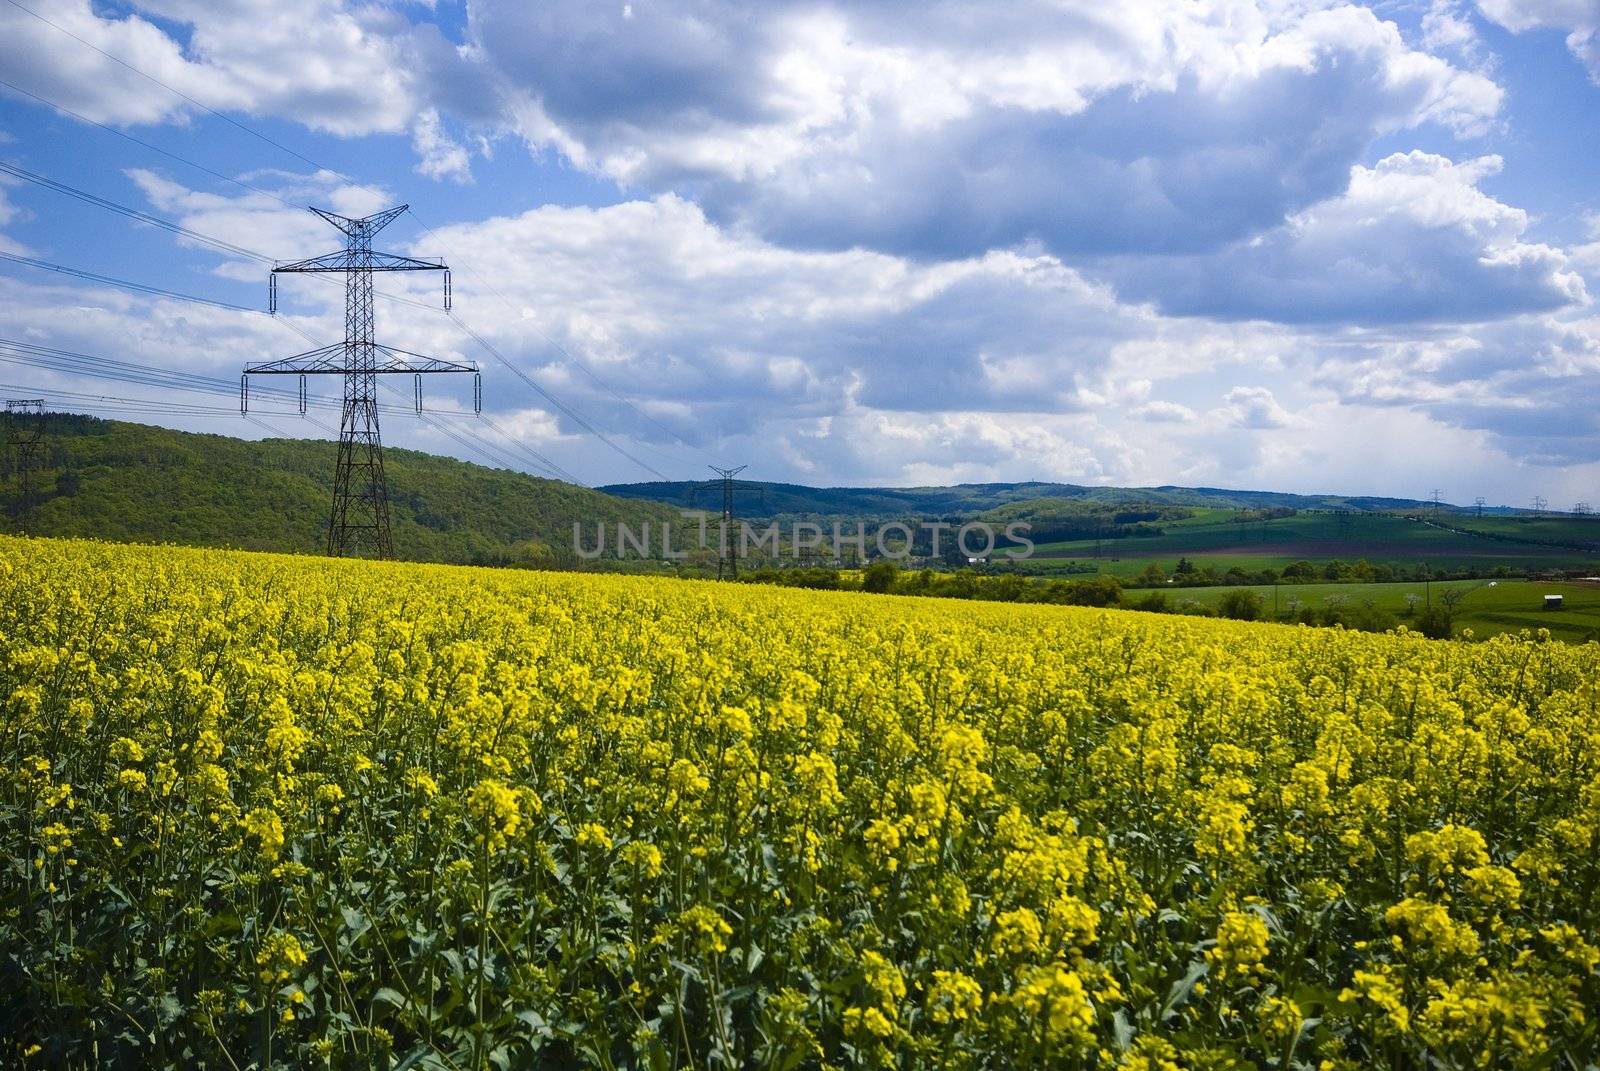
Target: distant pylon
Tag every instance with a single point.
(24, 446)
(359, 517)
(1479, 502)
(727, 541)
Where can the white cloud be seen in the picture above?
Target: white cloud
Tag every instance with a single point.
(260, 222)
(1253, 409)
(1578, 19)
(857, 366)
(439, 156)
(1412, 239)
(317, 62)
(8, 212)
(1089, 128)
(1166, 413)
(1446, 27)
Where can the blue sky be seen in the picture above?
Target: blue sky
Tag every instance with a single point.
(1256, 243)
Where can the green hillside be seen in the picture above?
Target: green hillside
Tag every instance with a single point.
(1377, 537)
(131, 482)
(970, 499)
(1125, 530)
(1488, 608)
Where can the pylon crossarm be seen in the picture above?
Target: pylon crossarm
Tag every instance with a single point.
(313, 362)
(332, 360)
(348, 260)
(365, 227)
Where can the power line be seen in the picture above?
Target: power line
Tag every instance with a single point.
(549, 465)
(547, 396)
(72, 362)
(142, 288)
(170, 89)
(8, 168)
(559, 348)
(124, 135)
(129, 404)
(145, 217)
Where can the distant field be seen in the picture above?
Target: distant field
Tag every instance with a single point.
(1213, 538)
(1580, 530)
(1506, 606)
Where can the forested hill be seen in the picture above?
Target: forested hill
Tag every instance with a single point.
(131, 482)
(970, 499)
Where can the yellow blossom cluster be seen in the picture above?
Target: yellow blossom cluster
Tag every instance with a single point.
(277, 812)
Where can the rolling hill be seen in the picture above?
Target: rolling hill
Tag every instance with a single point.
(970, 499)
(135, 483)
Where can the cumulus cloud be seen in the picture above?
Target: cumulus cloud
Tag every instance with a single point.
(1447, 27)
(266, 223)
(1051, 240)
(439, 155)
(321, 63)
(1412, 239)
(1578, 19)
(1087, 128)
(1254, 409)
(1166, 413)
(1526, 382)
(654, 291)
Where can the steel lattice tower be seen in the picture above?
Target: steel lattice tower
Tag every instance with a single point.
(727, 545)
(359, 518)
(24, 444)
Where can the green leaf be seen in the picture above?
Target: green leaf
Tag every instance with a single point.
(1179, 993)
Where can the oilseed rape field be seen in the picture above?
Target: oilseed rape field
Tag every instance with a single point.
(264, 812)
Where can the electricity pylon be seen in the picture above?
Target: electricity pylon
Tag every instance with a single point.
(359, 517)
(24, 445)
(727, 547)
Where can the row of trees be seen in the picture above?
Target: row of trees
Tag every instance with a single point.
(1336, 571)
(884, 577)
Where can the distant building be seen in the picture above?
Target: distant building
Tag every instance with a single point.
(1553, 602)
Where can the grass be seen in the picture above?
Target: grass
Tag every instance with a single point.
(1213, 538)
(1487, 608)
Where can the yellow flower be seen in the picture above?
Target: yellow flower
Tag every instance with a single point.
(953, 997)
(280, 954)
(1380, 987)
(1054, 996)
(494, 807)
(1017, 933)
(267, 828)
(643, 857)
(1241, 948)
(706, 930)
(1431, 929)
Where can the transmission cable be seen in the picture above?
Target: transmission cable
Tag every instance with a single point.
(8, 168)
(547, 396)
(124, 135)
(559, 348)
(178, 92)
(233, 249)
(142, 288)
